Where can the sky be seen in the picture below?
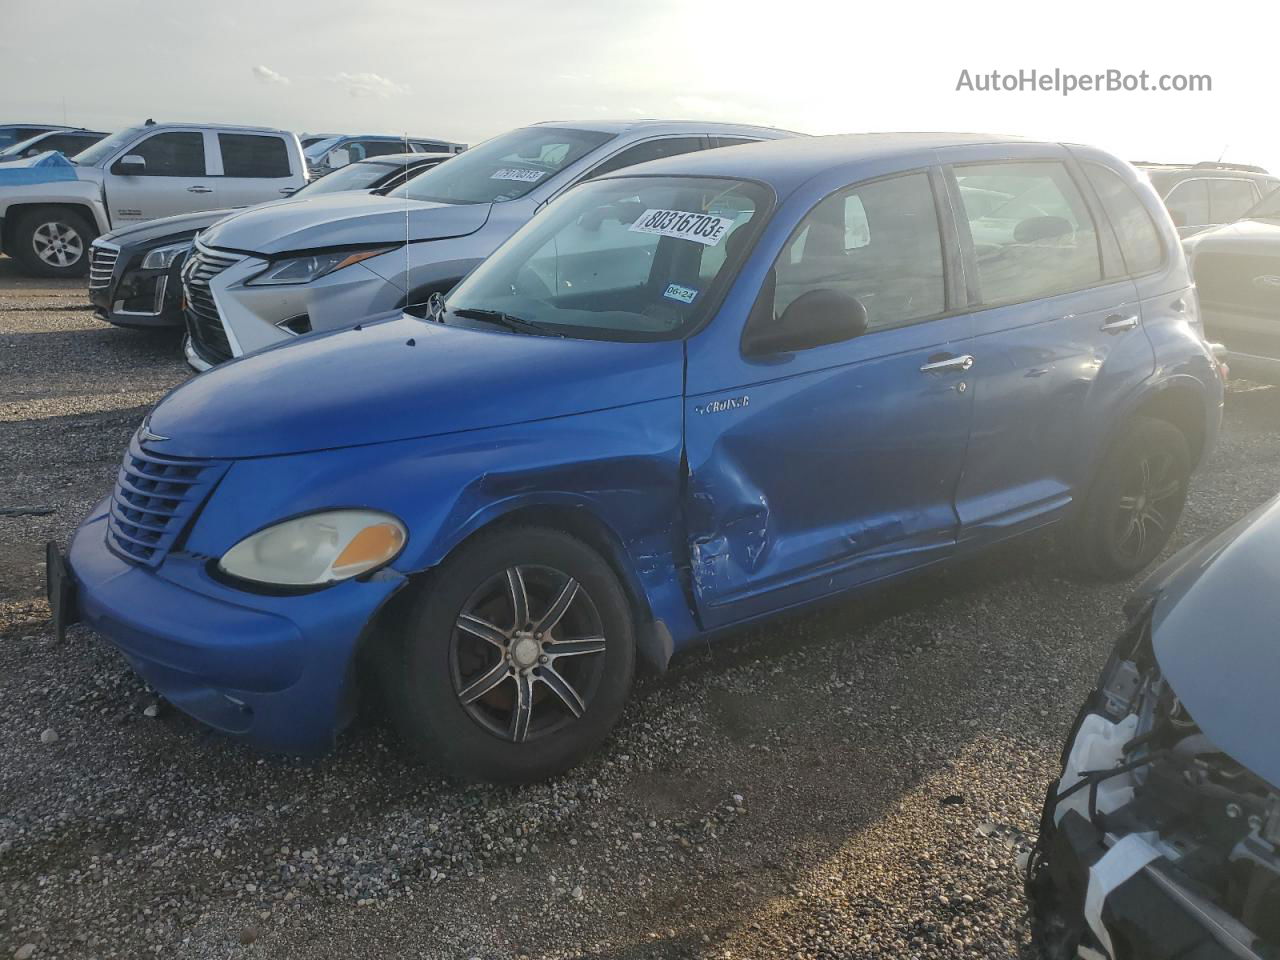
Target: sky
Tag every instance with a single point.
(468, 69)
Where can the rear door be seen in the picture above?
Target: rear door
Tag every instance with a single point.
(177, 178)
(255, 168)
(818, 469)
(1057, 326)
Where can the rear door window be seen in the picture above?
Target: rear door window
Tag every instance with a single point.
(1229, 199)
(879, 243)
(1188, 203)
(175, 154)
(1139, 237)
(650, 150)
(1033, 236)
(251, 155)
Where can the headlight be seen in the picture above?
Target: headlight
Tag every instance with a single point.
(317, 548)
(313, 267)
(161, 258)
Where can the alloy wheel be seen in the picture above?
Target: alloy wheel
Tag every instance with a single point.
(1147, 508)
(527, 653)
(57, 244)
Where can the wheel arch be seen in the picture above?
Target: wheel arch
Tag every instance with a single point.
(571, 516)
(17, 211)
(1180, 402)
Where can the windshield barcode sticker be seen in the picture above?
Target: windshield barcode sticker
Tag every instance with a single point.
(704, 228)
(515, 173)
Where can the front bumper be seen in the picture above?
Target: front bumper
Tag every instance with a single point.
(276, 671)
(133, 297)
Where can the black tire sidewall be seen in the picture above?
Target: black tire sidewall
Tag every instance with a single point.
(420, 691)
(1142, 437)
(25, 253)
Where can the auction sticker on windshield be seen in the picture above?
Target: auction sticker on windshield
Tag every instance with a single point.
(704, 228)
(515, 173)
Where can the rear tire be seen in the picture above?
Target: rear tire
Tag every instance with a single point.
(52, 242)
(1136, 500)
(493, 675)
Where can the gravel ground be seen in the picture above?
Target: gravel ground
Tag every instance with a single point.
(855, 782)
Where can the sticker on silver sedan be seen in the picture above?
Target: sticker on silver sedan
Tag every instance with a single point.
(515, 173)
(704, 228)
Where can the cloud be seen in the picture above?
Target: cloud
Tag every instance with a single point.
(267, 75)
(369, 85)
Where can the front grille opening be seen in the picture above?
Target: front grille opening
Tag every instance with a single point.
(154, 498)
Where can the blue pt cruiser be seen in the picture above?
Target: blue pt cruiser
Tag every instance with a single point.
(683, 397)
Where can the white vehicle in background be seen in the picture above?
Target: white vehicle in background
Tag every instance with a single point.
(263, 276)
(142, 173)
(334, 151)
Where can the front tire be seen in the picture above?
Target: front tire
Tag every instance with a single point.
(53, 242)
(1136, 500)
(515, 660)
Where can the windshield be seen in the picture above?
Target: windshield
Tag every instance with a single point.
(1267, 209)
(103, 149)
(354, 176)
(636, 258)
(17, 148)
(504, 168)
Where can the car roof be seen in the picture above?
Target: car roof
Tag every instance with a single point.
(667, 126)
(389, 158)
(232, 127)
(1207, 169)
(785, 164)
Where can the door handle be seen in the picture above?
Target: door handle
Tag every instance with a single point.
(1119, 322)
(288, 190)
(199, 190)
(948, 364)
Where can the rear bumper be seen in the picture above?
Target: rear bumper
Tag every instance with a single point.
(275, 671)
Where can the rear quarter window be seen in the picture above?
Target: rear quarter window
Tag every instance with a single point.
(1139, 236)
(250, 155)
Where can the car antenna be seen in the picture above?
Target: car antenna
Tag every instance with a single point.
(1224, 152)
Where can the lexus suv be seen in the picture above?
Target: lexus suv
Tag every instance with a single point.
(268, 275)
(688, 395)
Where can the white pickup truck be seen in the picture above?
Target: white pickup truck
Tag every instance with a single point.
(47, 221)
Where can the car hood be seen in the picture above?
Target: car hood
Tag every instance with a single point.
(400, 378)
(149, 230)
(1215, 635)
(1241, 235)
(343, 219)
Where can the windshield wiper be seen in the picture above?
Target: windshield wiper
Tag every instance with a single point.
(508, 320)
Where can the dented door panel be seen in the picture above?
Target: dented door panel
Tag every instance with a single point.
(837, 466)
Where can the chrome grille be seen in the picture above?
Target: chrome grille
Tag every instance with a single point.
(154, 499)
(204, 324)
(102, 264)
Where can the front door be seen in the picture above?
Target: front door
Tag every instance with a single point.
(835, 465)
(175, 179)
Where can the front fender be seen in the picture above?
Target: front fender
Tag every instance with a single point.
(83, 194)
(621, 465)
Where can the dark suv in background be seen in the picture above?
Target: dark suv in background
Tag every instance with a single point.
(1203, 195)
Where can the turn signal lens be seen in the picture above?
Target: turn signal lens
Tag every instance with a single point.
(371, 547)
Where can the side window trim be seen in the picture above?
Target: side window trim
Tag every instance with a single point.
(970, 254)
(1182, 183)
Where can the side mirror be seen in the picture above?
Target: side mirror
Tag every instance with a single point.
(338, 157)
(132, 164)
(813, 319)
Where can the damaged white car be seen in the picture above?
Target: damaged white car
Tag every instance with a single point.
(1162, 837)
